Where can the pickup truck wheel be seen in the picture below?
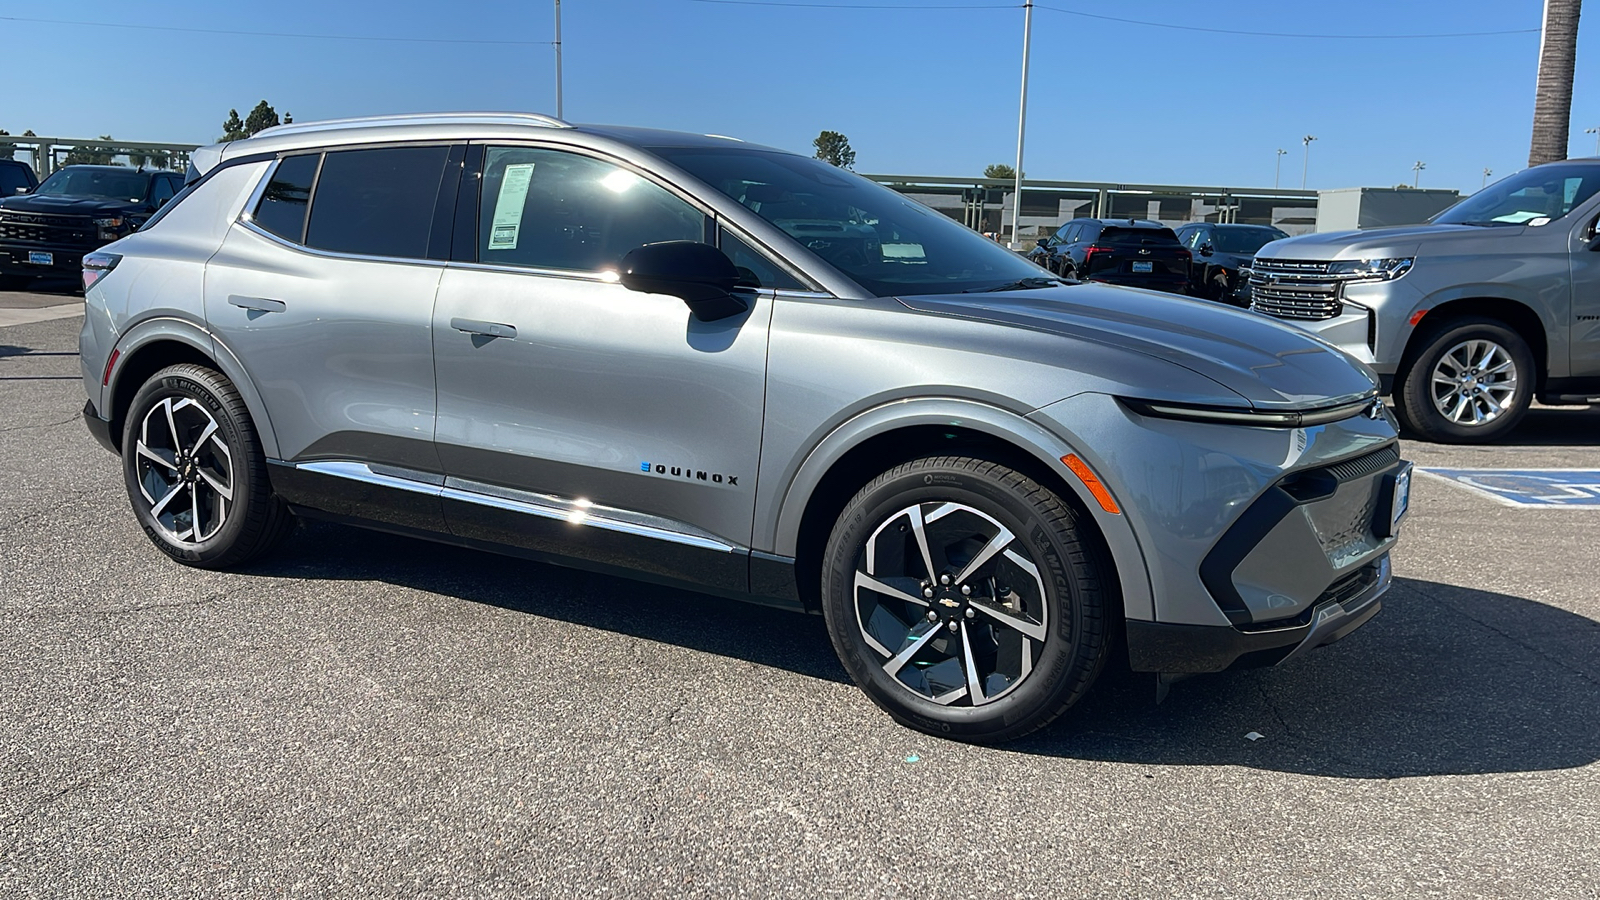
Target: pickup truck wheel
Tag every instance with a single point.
(963, 599)
(196, 473)
(1472, 383)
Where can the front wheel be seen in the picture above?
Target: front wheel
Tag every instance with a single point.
(966, 599)
(1472, 383)
(196, 473)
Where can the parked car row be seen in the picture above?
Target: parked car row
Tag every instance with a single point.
(1200, 259)
(45, 229)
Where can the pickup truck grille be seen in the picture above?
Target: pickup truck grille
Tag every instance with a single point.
(36, 228)
(1294, 289)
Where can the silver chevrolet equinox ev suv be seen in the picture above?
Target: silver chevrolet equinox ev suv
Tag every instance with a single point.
(1466, 319)
(710, 364)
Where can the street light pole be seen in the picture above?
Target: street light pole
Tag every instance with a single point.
(1596, 133)
(1486, 174)
(1416, 172)
(1022, 122)
(558, 59)
(1306, 166)
(1278, 169)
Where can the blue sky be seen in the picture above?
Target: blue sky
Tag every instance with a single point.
(929, 92)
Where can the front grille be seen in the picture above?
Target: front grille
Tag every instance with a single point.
(1376, 461)
(1294, 289)
(34, 228)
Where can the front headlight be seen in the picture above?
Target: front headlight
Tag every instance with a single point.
(1371, 269)
(110, 228)
(1259, 418)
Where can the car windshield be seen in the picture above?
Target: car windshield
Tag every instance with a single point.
(97, 183)
(885, 242)
(1244, 240)
(1113, 233)
(1534, 196)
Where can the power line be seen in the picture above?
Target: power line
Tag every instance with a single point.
(1285, 34)
(1237, 32)
(273, 34)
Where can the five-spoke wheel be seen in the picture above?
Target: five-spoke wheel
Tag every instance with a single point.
(965, 598)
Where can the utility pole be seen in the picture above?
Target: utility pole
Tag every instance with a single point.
(1416, 172)
(1306, 166)
(1486, 173)
(1022, 123)
(1278, 169)
(558, 59)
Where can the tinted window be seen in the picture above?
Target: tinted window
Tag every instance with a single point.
(1245, 240)
(1073, 233)
(1138, 235)
(886, 242)
(755, 270)
(1531, 197)
(377, 202)
(282, 209)
(554, 210)
(161, 191)
(101, 184)
(11, 178)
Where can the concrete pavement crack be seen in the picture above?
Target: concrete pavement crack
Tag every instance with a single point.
(1532, 648)
(37, 808)
(67, 421)
(207, 600)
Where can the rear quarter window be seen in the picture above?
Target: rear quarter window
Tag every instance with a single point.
(377, 202)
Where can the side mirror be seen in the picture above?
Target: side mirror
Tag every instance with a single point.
(1206, 250)
(698, 274)
(24, 189)
(1044, 242)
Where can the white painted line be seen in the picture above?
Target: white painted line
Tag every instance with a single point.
(28, 316)
(1462, 479)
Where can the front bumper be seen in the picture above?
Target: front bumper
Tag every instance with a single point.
(1197, 649)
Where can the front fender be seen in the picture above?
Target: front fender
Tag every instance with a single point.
(1048, 448)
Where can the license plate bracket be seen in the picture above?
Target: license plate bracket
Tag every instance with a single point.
(1143, 267)
(41, 258)
(1395, 502)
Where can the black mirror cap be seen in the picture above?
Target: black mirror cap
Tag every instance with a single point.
(698, 274)
(1044, 242)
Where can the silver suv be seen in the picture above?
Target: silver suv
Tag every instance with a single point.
(715, 365)
(1466, 319)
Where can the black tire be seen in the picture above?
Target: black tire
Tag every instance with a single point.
(1418, 405)
(176, 410)
(1066, 604)
(15, 282)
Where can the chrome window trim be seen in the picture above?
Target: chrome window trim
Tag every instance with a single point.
(545, 506)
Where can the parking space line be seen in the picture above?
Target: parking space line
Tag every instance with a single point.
(1528, 488)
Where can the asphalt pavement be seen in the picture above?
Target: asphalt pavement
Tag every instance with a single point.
(364, 715)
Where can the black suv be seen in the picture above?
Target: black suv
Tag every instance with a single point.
(16, 177)
(1220, 252)
(1132, 252)
(76, 210)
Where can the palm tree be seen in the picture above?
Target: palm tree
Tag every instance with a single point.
(1552, 99)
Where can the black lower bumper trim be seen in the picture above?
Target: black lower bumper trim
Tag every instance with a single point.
(98, 427)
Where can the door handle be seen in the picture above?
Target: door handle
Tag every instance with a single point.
(478, 326)
(261, 304)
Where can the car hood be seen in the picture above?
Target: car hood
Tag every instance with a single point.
(1401, 240)
(1269, 364)
(59, 205)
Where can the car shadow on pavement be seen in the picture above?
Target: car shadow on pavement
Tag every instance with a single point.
(1445, 681)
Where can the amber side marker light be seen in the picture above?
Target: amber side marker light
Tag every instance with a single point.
(1087, 476)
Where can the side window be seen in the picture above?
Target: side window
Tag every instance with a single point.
(283, 205)
(1074, 233)
(550, 209)
(377, 202)
(1193, 238)
(11, 178)
(160, 190)
(755, 270)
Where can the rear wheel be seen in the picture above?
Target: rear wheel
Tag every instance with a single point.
(195, 471)
(1472, 383)
(963, 598)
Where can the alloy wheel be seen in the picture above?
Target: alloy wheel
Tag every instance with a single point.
(184, 469)
(952, 603)
(1474, 382)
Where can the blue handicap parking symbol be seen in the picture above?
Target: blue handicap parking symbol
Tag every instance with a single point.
(1572, 488)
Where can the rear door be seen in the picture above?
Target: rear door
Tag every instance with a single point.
(324, 292)
(576, 417)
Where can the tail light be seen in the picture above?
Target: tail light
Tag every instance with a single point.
(1186, 254)
(98, 265)
(1090, 251)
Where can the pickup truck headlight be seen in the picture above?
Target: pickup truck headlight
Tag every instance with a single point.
(110, 228)
(1371, 269)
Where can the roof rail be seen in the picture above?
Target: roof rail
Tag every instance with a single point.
(438, 118)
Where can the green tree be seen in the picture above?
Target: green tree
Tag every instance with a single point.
(1000, 170)
(834, 148)
(1552, 96)
(233, 128)
(260, 119)
(91, 156)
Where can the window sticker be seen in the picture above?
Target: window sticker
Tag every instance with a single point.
(508, 206)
